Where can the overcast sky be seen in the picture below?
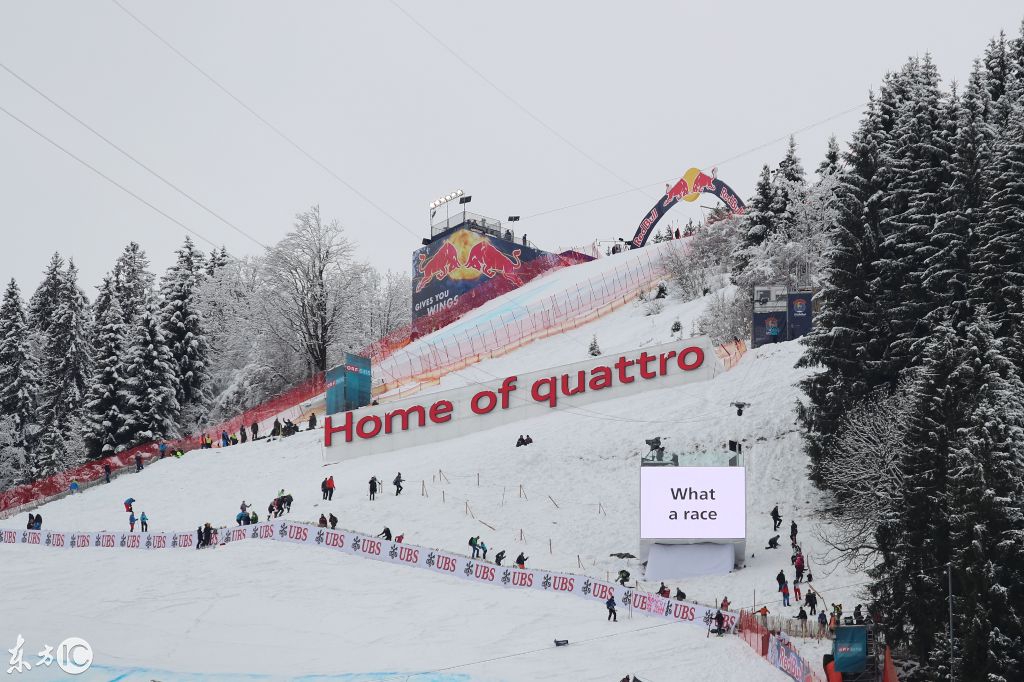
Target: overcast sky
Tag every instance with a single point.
(600, 98)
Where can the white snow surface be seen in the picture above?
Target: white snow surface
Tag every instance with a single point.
(283, 611)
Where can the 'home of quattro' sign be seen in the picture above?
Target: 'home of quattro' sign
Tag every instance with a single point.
(543, 391)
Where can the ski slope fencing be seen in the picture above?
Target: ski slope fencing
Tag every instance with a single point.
(402, 554)
(504, 330)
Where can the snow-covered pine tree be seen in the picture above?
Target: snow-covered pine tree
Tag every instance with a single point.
(830, 164)
(43, 304)
(66, 366)
(986, 506)
(594, 349)
(18, 372)
(847, 340)
(1000, 253)
(953, 236)
(758, 223)
(998, 67)
(133, 282)
(1017, 54)
(182, 326)
(106, 405)
(150, 381)
(917, 177)
(218, 259)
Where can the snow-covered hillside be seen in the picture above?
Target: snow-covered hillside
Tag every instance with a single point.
(579, 503)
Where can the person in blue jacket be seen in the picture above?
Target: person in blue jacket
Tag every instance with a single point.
(128, 504)
(163, 450)
(131, 522)
(145, 522)
(612, 614)
(73, 487)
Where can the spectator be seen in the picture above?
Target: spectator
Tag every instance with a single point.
(398, 484)
(725, 604)
(131, 522)
(242, 433)
(330, 488)
(255, 429)
(796, 592)
(373, 487)
(31, 522)
(623, 577)
(199, 537)
(386, 534)
(38, 525)
(312, 421)
(802, 617)
(253, 518)
(612, 615)
(785, 593)
(224, 441)
(73, 488)
(399, 538)
(719, 623)
(106, 471)
(334, 521)
(821, 624)
(499, 557)
(128, 504)
(811, 601)
(207, 535)
(773, 543)
(473, 543)
(521, 560)
(663, 591)
(163, 449)
(323, 489)
(138, 462)
(763, 611)
(145, 522)
(776, 518)
(323, 521)
(483, 549)
(680, 595)
(276, 430)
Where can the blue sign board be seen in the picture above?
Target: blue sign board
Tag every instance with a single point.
(349, 384)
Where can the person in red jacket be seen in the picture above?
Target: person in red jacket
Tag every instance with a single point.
(330, 488)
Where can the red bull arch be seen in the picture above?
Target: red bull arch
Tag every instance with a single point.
(688, 188)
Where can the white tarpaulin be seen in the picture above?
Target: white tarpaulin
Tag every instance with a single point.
(667, 562)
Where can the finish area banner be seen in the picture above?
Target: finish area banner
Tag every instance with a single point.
(367, 547)
(689, 188)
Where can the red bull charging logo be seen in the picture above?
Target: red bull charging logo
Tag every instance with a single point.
(467, 255)
(689, 187)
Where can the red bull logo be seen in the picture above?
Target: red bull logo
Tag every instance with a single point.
(467, 255)
(689, 187)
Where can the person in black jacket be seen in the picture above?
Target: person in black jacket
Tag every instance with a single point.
(276, 431)
(106, 472)
(373, 487)
(255, 428)
(612, 615)
(334, 521)
(521, 560)
(499, 557)
(386, 534)
(207, 535)
(776, 518)
(199, 537)
(312, 421)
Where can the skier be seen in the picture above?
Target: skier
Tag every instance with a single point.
(323, 521)
(106, 472)
(373, 487)
(483, 549)
(386, 534)
(785, 593)
(145, 522)
(255, 428)
(719, 623)
(623, 577)
(312, 421)
(499, 557)
(776, 517)
(330, 488)
(323, 489)
(773, 543)
(131, 522)
(521, 560)
(333, 520)
(473, 540)
(128, 504)
(138, 462)
(398, 484)
(612, 615)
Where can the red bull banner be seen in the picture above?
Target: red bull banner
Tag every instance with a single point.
(689, 188)
(453, 265)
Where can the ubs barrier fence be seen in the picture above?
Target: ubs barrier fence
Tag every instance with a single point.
(402, 554)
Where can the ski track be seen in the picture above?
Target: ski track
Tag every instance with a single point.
(243, 611)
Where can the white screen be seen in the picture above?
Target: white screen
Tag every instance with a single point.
(709, 503)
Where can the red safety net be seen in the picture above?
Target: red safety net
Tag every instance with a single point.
(752, 630)
(93, 471)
